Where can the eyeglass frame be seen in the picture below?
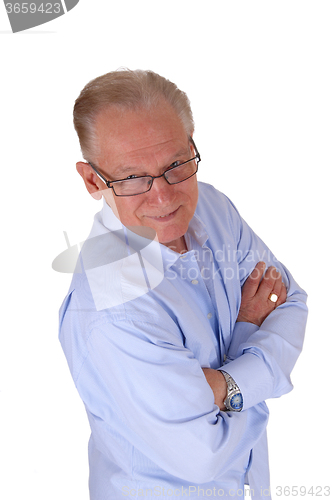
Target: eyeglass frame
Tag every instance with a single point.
(108, 183)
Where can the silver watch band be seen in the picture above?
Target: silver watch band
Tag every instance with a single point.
(232, 390)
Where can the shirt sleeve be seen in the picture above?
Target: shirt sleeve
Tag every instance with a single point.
(138, 381)
(260, 359)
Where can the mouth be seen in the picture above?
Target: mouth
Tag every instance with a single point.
(166, 217)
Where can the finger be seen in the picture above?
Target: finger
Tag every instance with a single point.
(277, 288)
(252, 283)
(283, 295)
(277, 284)
(267, 284)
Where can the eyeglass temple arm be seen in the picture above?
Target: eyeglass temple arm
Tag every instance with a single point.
(108, 183)
(197, 153)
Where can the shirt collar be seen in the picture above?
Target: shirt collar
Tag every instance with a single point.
(197, 230)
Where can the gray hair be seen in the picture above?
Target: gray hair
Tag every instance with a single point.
(128, 90)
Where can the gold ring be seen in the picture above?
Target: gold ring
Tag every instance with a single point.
(273, 297)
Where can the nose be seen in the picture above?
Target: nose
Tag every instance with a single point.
(161, 192)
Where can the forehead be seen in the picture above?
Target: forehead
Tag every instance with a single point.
(133, 136)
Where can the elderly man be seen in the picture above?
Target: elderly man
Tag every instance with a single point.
(176, 326)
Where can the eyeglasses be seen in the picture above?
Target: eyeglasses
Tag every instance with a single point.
(142, 184)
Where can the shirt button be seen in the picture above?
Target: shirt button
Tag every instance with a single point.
(194, 282)
(209, 315)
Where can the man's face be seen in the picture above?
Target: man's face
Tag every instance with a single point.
(147, 143)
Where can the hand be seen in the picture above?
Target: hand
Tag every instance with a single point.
(217, 382)
(255, 302)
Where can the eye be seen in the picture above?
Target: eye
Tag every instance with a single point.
(175, 164)
(131, 177)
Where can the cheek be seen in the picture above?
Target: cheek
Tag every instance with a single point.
(110, 200)
(126, 210)
(192, 196)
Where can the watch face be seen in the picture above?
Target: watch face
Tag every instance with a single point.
(236, 401)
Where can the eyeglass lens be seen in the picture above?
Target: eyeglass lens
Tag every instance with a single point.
(129, 187)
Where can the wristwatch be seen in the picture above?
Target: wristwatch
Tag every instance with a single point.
(234, 399)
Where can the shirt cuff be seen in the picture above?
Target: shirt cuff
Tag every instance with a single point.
(253, 378)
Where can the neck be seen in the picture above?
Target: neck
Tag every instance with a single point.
(178, 245)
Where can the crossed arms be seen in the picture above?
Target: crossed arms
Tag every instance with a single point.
(255, 307)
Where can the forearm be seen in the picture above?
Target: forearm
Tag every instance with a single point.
(217, 382)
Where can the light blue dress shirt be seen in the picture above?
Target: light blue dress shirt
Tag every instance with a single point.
(138, 324)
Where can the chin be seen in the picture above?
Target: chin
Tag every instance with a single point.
(170, 238)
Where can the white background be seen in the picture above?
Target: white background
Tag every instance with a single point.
(258, 74)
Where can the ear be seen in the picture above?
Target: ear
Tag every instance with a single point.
(92, 182)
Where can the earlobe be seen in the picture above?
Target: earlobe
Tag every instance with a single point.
(89, 178)
(96, 195)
